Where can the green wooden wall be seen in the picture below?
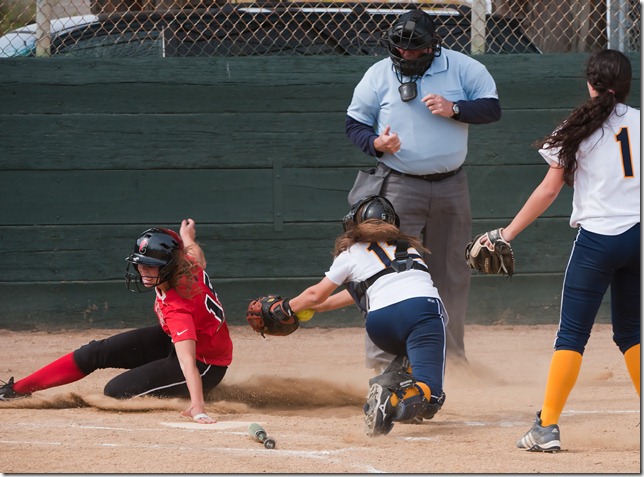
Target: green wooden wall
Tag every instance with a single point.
(93, 152)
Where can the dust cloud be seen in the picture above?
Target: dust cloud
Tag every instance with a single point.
(260, 392)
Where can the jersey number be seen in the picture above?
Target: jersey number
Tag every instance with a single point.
(625, 149)
(212, 304)
(380, 253)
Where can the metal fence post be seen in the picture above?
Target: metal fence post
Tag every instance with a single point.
(43, 28)
(615, 12)
(479, 8)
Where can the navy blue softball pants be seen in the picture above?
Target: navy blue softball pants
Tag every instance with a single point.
(415, 327)
(597, 262)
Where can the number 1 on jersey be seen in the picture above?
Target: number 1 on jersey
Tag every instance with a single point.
(625, 149)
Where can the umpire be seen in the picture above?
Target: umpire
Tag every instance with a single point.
(412, 112)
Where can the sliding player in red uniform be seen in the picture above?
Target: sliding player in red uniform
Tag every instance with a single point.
(186, 354)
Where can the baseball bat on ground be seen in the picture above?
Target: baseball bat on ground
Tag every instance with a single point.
(257, 432)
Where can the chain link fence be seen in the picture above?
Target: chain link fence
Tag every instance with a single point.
(109, 28)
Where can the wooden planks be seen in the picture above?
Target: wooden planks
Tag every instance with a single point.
(93, 152)
(231, 140)
(228, 196)
(524, 299)
(303, 250)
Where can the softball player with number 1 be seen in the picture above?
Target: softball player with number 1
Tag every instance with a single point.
(596, 150)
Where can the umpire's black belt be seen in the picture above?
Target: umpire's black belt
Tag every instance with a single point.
(430, 177)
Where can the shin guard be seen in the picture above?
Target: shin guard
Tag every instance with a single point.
(413, 401)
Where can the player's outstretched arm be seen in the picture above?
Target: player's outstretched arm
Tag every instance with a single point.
(338, 300)
(542, 197)
(313, 296)
(188, 234)
(186, 352)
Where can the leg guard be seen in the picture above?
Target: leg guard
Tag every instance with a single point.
(417, 407)
(433, 406)
(397, 374)
(398, 379)
(411, 407)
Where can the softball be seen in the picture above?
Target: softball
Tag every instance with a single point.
(305, 315)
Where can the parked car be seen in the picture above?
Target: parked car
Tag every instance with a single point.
(22, 41)
(251, 29)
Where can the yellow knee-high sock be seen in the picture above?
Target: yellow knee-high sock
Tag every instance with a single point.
(564, 370)
(632, 358)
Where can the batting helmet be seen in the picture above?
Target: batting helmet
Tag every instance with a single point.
(155, 247)
(372, 207)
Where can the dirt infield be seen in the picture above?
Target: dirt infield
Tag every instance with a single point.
(307, 390)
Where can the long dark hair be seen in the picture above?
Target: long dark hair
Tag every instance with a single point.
(183, 278)
(609, 73)
(374, 230)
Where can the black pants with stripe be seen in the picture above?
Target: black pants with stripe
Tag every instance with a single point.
(152, 363)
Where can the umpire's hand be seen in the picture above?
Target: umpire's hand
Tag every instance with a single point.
(387, 142)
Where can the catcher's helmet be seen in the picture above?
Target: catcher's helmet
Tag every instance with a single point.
(155, 248)
(372, 207)
(414, 30)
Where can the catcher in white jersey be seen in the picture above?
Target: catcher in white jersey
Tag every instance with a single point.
(387, 277)
(596, 150)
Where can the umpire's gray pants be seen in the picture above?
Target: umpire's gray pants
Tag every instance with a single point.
(440, 212)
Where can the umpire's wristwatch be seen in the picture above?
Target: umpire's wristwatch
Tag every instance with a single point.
(456, 110)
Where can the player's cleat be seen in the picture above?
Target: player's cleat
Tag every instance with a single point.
(379, 412)
(540, 438)
(8, 394)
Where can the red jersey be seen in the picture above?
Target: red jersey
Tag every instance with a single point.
(200, 318)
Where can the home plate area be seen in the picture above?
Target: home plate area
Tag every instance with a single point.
(217, 426)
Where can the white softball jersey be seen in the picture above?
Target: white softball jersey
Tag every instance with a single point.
(358, 263)
(606, 198)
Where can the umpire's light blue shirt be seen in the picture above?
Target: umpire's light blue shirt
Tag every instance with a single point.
(429, 143)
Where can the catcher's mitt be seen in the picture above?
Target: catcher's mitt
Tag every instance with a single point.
(271, 315)
(495, 257)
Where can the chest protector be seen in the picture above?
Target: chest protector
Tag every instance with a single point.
(402, 262)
